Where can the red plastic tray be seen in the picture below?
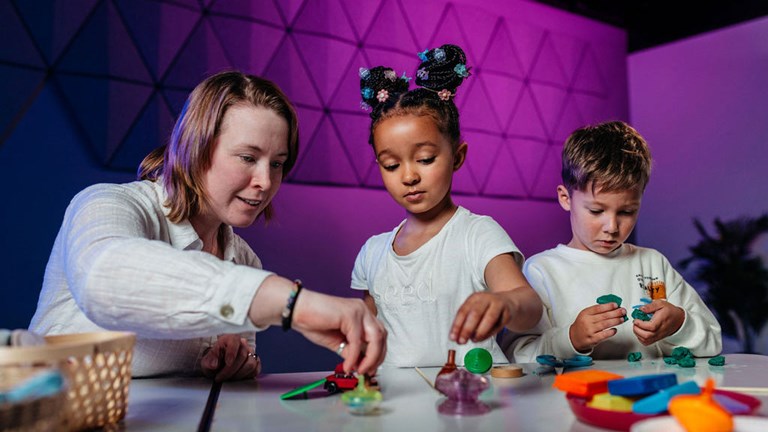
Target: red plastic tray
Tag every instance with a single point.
(622, 421)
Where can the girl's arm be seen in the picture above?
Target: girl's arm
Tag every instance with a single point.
(368, 299)
(510, 302)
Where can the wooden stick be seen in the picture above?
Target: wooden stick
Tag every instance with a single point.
(757, 390)
(425, 377)
(210, 408)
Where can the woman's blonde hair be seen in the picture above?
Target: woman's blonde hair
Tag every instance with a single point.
(187, 156)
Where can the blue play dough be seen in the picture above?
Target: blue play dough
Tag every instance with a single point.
(657, 403)
(641, 385)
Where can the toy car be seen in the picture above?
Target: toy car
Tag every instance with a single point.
(339, 380)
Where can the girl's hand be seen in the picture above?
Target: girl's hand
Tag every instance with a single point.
(482, 315)
(229, 359)
(667, 319)
(594, 325)
(329, 320)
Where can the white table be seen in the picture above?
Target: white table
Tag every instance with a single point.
(528, 403)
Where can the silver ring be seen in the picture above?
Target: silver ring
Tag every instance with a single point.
(341, 347)
(252, 355)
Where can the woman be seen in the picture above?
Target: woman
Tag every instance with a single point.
(158, 256)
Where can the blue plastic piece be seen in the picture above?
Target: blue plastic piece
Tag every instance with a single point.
(731, 405)
(41, 385)
(572, 362)
(657, 403)
(641, 385)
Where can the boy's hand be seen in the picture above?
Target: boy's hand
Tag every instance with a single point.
(482, 315)
(667, 319)
(594, 325)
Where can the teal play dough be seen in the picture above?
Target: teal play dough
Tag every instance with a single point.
(609, 298)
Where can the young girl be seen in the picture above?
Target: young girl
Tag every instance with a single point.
(443, 276)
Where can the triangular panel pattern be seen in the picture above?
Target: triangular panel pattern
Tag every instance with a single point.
(104, 48)
(23, 50)
(145, 20)
(137, 61)
(53, 23)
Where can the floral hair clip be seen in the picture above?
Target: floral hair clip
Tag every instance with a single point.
(364, 106)
(423, 55)
(390, 75)
(422, 74)
(364, 73)
(367, 92)
(405, 78)
(444, 94)
(438, 54)
(461, 70)
(382, 95)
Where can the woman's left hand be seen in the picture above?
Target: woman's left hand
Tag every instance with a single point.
(230, 359)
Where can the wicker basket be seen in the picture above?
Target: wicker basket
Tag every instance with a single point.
(97, 367)
(40, 414)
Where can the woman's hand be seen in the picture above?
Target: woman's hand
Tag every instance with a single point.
(230, 359)
(328, 321)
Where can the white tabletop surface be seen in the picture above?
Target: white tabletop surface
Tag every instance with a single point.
(528, 403)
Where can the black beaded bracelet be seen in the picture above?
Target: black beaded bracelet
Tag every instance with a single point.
(288, 310)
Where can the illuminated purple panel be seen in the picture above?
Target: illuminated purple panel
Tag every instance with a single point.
(151, 130)
(108, 111)
(199, 58)
(104, 48)
(290, 71)
(262, 12)
(324, 18)
(391, 30)
(22, 51)
(326, 59)
(250, 46)
(146, 20)
(53, 23)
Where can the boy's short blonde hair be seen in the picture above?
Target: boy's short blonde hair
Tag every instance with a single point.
(610, 156)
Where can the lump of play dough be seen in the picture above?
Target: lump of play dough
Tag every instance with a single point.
(609, 298)
(642, 316)
(634, 356)
(717, 361)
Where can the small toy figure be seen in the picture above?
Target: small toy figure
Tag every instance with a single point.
(339, 380)
(362, 400)
(462, 389)
(449, 365)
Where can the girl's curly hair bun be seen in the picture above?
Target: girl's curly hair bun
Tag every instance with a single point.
(381, 86)
(442, 70)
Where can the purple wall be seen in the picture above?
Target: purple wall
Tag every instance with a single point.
(702, 104)
(90, 88)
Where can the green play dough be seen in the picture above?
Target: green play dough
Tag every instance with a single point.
(634, 356)
(717, 361)
(609, 298)
(670, 360)
(681, 353)
(686, 362)
(642, 316)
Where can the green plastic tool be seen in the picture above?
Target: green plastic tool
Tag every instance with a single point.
(302, 390)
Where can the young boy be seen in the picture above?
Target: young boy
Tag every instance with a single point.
(605, 170)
